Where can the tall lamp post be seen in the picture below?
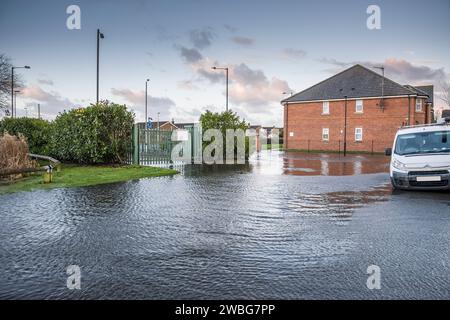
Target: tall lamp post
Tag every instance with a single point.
(12, 87)
(99, 36)
(285, 119)
(382, 86)
(146, 98)
(15, 101)
(226, 70)
(157, 122)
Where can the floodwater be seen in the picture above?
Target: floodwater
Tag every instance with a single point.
(285, 226)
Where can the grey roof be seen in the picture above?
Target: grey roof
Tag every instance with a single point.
(429, 90)
(354, 82)
(418, 91)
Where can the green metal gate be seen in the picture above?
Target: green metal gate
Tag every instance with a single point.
(151, 146)
(154, 146)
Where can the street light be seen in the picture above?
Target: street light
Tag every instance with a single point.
(286, 115)
(157, 123)
(15, 101)
(12, 87)
(99, 36)
(382, 86)
(226, 70)
(146, 113)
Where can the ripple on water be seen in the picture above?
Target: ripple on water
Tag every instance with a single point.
(216, 235)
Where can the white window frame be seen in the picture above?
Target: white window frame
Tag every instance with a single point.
(326, 105)
(419, 105)
(358, 134)
(326, 132)
(359, 103)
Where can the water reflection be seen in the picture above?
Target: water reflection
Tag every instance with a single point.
(256, 231)
(339, 206)
(310, 164)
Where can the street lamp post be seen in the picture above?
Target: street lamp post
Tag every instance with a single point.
(285, 118)
(146, 98)
(15, 101)
(99, 36)
(157, 122)
(382, 86)
(12, 87)
(226, 71)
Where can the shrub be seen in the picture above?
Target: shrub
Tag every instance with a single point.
(14, 153)
(96, 134)
(223, 121)
(35, 131)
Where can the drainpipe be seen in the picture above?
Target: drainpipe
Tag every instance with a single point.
(286, 132)
(409, 110)
(345, 127)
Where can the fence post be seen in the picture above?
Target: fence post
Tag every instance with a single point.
(308, 145)
(135, 141)
(372, 147)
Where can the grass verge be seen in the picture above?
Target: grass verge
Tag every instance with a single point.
(82, 176)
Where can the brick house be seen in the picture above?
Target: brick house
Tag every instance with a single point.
(167, 125)
(372, 106)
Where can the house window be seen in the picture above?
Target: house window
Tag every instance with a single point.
(358, 134)
(326, 107)
(326, 134)
(418, 105)
(359, 106)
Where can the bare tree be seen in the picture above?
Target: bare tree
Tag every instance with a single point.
(5, 81)
(445, 92)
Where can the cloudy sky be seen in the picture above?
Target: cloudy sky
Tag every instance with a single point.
(269, 46)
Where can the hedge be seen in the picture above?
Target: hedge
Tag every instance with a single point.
(96, 134)
(35, 131)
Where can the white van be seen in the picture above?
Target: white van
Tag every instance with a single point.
(420, 157)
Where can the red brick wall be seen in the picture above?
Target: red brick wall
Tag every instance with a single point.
(306, 121)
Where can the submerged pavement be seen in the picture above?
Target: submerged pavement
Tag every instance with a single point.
(287, 226)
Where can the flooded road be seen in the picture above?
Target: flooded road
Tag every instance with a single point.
(267, 230)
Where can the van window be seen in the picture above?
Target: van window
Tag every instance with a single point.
(423, 142)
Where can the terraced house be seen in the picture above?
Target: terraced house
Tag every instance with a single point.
(357, 107)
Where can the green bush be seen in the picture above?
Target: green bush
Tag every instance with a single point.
(223, 121)
(96, 134)
(35, 131)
